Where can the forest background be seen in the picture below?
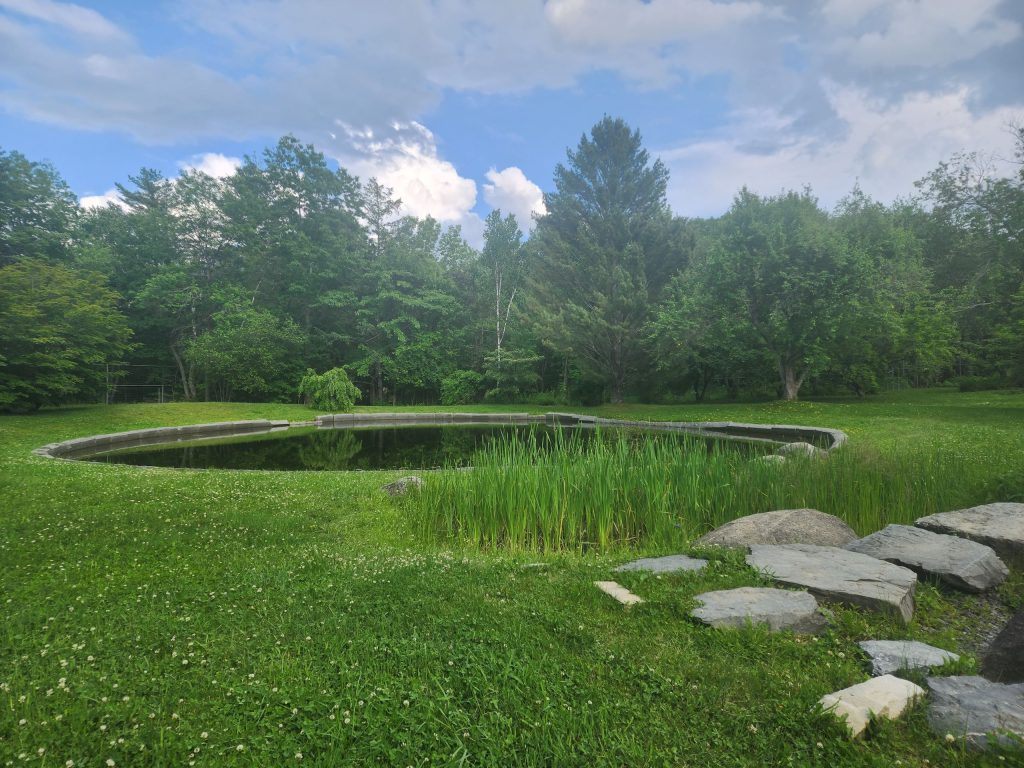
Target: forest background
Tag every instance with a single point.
(233, 289)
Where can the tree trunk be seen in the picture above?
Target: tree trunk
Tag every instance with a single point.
(188, 388)
(791, 379)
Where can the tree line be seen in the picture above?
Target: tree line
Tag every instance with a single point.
(241, 286)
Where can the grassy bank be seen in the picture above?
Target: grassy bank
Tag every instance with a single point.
(159, 617)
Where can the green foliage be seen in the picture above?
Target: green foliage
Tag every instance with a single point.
(247, 352)
(58, 329)
(37, 211)
(461, 388)
(331, 391)
(603, 234)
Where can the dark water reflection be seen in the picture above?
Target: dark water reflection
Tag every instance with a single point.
(370, 448)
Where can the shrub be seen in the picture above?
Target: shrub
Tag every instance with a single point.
(982, 383)
(461, 388)
(329, 391)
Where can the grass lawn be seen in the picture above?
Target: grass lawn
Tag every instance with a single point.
(165, 617)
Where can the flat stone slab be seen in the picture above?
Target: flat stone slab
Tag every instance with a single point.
(779, 609)
(667, 564)
(971, 707)
(783, 526)
(1004, 662)
(888, 656)
(962, 563)
(886, 696)
(619, 592)
(403, 485)
(1000, 526)
(836, 574)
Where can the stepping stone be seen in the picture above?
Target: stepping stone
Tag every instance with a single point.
(835, 574)
(667, 564)
(1000, 526)
(962, 563)
(884, 696)
(619, 592)
(889, 656)
(403, 485)
(1004, 662)
(783, 526)
(778, 608)
(971, 707)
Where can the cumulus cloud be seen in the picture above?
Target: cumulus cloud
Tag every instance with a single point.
(214, 164)
(101, 201)
(512, 192)
(885, 149)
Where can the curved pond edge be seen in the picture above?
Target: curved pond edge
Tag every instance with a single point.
(778, 434)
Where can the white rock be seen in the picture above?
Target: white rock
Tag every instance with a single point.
(619, 592)
(886, 696)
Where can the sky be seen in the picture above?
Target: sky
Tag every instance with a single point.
(462, 106)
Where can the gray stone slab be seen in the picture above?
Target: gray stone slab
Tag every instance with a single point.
(1004, 662)
(963, 563)
(779, 609)
(1000, 526)
(972, 707)
(782, 526)
(888, 656)
(619, 592)
(667, 564)
(831, 573)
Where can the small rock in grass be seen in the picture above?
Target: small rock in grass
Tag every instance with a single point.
(1004, 662)
(972, 707)
(1000, 526)
(886, 696)
(667, 564)
(619, 592)
(781, 526)
(779, 609)
(961, 563)
(889, 656)
(403, 485)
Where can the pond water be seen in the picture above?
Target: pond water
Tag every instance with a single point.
(355, 448)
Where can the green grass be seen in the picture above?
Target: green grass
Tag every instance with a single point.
(661, 492)
(315, 618)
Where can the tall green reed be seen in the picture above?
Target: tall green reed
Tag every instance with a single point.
(660, 490)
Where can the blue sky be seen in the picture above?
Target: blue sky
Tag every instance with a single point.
(465, 105)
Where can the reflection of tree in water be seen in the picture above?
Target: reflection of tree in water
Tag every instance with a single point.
(331, 450)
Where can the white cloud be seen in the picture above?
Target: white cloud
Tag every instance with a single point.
(101, 201)
(212, 164)
(512, 192)
(74, 18)
(885, 148)
(928, 34)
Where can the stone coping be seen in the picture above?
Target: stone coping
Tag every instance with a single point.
(725, 430)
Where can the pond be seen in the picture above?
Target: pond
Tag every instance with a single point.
(364, 448)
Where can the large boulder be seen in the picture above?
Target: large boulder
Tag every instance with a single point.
(783, 526)
(884, 696)
(962, 563)
(831, 573)
(778, 609)
(1000, 526)
(1004, 662)
(667, 564)
(888, 656)
(972, 708)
